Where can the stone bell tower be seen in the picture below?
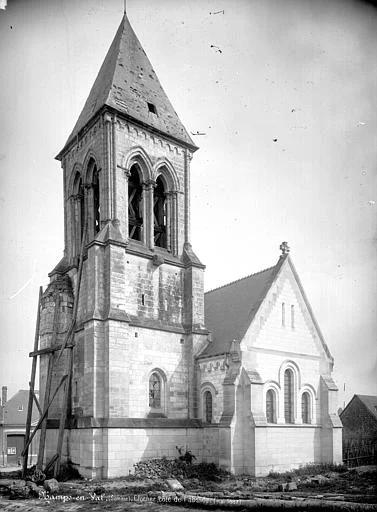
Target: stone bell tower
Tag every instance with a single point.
(140, 319)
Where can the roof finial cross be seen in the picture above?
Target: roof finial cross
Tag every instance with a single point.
(125, 6)
(284, 247)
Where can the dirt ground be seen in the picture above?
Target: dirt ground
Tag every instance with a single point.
(345, 488)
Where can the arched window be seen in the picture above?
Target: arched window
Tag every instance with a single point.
(207, 406)
(288, 396)
(155, 391)
(305, 407)
(135, 210)
(160, 214)
(271, 406)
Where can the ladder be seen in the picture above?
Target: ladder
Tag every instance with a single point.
(65, 382)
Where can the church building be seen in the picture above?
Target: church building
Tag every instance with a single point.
(240, 376)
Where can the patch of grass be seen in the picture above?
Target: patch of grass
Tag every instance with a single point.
(309, 469)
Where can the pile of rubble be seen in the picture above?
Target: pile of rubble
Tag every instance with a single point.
(23, 489)
(168, 468)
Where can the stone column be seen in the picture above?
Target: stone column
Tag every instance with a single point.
(108, 160)
(89, 211)
(127, 175)
(72, 215)
(114, 168)
(173, 222)
(188, 158)
(65, 204)
(149, 212)
(169, 221)
(145, 207)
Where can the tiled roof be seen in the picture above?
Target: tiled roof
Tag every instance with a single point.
(128, 83)
(370, 402)
(230, 309)
(15, 410)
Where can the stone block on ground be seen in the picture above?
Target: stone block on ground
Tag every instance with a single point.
(174, 484)
(291, 486)
(362, 470)
(51, 485)
(320, 480)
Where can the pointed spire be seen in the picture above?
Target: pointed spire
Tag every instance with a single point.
(127, 83)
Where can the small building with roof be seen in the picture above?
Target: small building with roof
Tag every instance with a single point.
(12, 428)
(359, 419)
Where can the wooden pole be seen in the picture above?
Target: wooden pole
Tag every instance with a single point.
(31, 385)
(77, 291)
(64, 411)
(43, 416)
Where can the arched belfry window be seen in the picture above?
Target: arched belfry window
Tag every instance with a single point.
(135, 209)
(305, 407)
(288, 395)
(207, 406)
(160, 214)
(155, 391)
(271, 406)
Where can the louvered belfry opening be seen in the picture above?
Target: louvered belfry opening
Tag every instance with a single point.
(135, 196)
(288, 396)
(160, 214)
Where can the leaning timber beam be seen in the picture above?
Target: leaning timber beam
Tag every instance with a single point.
(31, 385)
(48, 350)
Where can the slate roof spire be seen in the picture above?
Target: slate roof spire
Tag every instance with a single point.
(128, 83)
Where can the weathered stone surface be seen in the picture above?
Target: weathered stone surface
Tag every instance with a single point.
(174, 484)
(51, 485)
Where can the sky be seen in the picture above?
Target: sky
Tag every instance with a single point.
(284, 92)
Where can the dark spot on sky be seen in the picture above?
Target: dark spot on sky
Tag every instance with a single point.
(275, 140)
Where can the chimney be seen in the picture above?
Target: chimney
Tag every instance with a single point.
(4, 395)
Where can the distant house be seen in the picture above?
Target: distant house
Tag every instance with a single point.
(359, 420)
(13, 413)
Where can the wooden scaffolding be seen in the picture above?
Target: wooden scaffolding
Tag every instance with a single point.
(65, 382)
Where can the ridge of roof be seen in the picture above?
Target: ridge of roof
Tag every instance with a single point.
(239, 279)
(127, 83)
(366, 402)
(369, 397)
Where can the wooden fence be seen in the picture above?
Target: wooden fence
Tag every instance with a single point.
(359, 452)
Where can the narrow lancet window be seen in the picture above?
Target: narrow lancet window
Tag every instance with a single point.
(207, 406)
(160, 214)
(305, 407)
(270, 406)
(135, 210)
(292, 316)
(283, 314)
(288, 396)
(155, 391)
